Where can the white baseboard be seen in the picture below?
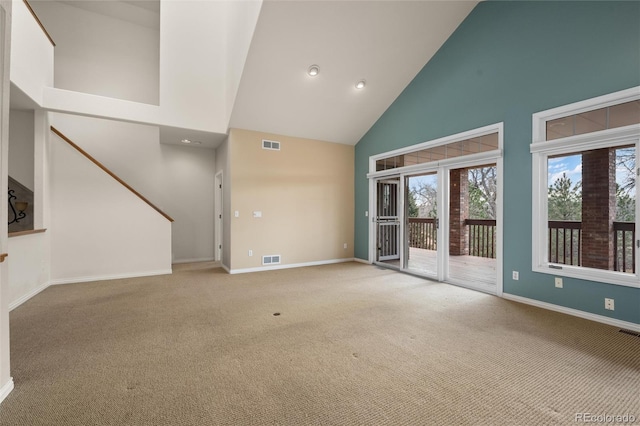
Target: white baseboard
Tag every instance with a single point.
(27, 296)
(202, 259)
(357, 259)
(575, 312)
(6, 389)
(109, 277)
(226, 268)
(288, 266)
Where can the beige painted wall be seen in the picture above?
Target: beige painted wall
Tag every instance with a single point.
(305, 193)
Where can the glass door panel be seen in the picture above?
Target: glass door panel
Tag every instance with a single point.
(421, 218)
(472, 226)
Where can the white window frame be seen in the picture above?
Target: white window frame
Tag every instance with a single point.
(541, 150)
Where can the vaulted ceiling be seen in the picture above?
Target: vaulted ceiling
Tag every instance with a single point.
(385, 43)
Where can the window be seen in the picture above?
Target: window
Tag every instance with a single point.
(584, 189)
(474, 145)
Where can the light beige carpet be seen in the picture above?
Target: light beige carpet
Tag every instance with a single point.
(353, 345)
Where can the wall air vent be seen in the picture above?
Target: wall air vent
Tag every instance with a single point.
(273, 259)
(273, 145)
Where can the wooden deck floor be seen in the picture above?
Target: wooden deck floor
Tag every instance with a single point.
(473, 271)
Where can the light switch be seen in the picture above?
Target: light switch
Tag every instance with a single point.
(257, 214)
(236, 213)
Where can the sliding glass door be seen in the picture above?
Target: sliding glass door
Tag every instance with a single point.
(472, 226)
(444, 226)
(421, 224)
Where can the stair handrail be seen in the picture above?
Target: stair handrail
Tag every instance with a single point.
(33, 13)
(110, 173)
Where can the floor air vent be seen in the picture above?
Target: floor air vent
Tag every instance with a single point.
(273, 259)
(629, 332)
(273, 145)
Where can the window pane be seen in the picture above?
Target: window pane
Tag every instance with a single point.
(591, 201)
(624, 114)
(454, 149)
(560, 128)
(594, 121)
(625, 210)
(590, 121)
(489, 142)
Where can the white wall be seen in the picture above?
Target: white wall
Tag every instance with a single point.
(192, 64)
(223, 165)
(30, 263)
(240, 24)
(177, 179)
(102, 55)
(21, 147)
(28, 267)
(31, 54)
(6, 382)
(190, 67)
(100, 229)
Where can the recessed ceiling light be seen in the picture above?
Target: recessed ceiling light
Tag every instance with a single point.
(313, 70)
(185, 141)
(361, 84)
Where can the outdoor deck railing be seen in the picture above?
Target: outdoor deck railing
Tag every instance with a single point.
(423, 233)
(624, 248)
(482, 237)
(565, 244)
(565, 240)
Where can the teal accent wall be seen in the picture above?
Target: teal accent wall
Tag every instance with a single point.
(506, 61)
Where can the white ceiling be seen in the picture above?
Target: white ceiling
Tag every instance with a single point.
(385, 42)
(140, 12)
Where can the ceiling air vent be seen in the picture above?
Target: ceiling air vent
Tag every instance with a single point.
(271, 260)
(273, 145)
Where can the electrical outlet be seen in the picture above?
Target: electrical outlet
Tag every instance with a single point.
(609, 304)
(558, 282)
(345, 245)
(250, 252)
(515, 275)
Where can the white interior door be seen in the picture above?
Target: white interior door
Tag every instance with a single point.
(218, 217)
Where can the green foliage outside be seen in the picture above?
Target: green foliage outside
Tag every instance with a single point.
(565, 200)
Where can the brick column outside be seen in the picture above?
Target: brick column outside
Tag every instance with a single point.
(458, 212)
(598, 207)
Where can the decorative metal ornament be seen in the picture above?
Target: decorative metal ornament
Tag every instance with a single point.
(18, 214)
